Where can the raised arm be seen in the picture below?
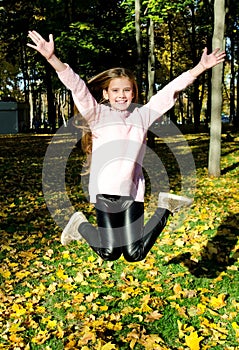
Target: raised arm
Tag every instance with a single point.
(46, 49)
(83, 99)
(166, 97)
(208, 61)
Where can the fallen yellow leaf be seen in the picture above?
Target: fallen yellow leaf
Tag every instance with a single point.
(192, 340)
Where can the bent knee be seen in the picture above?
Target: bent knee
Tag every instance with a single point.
(134, 252)
(134, 256)
(108, 254)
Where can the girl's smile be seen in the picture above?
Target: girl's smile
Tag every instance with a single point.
(119, 93)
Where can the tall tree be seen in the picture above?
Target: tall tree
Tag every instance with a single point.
(214, 168)
(232, 19)
(151, 59)
(139, 63)
(151, 72)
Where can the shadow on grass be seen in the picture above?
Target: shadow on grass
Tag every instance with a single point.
(230, 168)
(218, 253)
(200, 150)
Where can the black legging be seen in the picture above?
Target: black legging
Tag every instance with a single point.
(121, 228)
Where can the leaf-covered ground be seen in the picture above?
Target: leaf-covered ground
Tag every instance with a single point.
(184, 295)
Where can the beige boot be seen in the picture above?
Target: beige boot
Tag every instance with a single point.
(71, 232)
(173, 202)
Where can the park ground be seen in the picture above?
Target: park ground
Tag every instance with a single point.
(184, 295)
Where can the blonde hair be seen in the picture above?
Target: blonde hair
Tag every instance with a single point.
(96, 86)
(101, 82)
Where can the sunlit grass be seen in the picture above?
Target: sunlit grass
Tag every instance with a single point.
(184, 295)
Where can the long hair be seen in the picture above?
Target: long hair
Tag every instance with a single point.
(96, 85)
(102, 81)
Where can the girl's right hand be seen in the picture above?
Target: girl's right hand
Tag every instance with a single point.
(46, 48)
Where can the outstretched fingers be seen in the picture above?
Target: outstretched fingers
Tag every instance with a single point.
(216, 51)
(46, 48)
(36, 37)
(219, 55)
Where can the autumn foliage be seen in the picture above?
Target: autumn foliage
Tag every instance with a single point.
(184, 295)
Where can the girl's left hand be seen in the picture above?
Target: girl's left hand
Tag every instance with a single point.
(211, 60)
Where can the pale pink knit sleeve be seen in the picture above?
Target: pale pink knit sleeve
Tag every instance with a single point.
(165, 98)
(84, 101)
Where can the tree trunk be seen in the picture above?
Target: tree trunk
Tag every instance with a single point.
(151, 59)
(214, 168)
(151, 73)
(50, 100)
(236, 116)
(139, 47)
(209, 87)
(173, 118)
(196, 85)
(232, 82)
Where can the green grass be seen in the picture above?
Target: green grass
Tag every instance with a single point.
(184, 295)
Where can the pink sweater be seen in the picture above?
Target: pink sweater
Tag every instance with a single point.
(119, 137)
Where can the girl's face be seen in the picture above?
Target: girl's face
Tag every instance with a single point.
(119, 93)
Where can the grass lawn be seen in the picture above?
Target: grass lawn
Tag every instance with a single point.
(184, 295)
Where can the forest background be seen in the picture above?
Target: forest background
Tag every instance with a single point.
(157, 40)
(184, 295)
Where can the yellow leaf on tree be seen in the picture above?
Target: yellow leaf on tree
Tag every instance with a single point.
(192, 340)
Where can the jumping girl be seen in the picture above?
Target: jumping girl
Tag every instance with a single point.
(119, 129)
